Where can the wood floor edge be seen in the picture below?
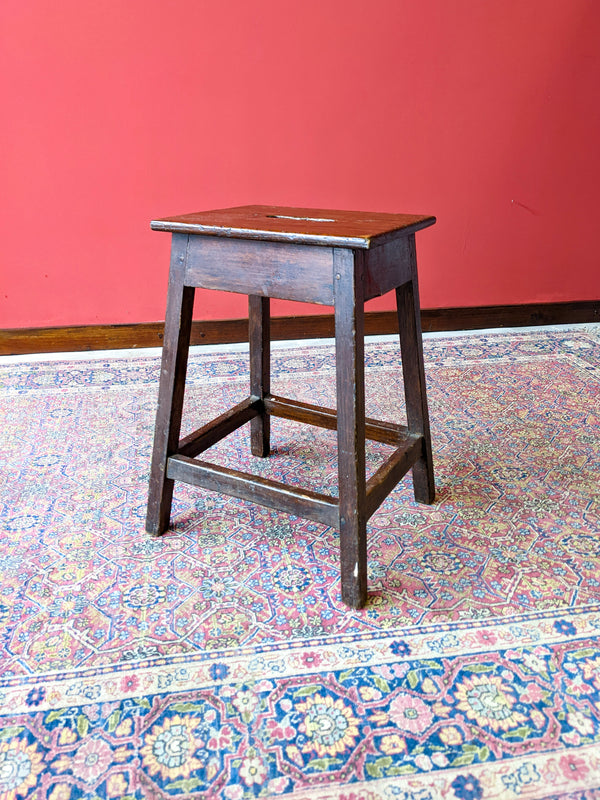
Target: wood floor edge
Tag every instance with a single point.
(21, 341)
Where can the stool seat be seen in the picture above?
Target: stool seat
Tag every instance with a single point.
(300, 225)
(337, 258)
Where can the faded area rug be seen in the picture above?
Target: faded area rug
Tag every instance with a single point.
(218, 661)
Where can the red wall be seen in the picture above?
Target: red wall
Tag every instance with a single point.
(486, 114)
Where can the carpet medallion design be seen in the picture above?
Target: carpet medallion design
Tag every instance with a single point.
(218, 661)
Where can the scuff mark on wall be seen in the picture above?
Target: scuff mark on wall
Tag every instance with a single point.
(527, 208)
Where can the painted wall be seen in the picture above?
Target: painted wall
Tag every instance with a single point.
(486, 114)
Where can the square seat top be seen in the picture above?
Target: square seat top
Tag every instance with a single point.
(355, 229)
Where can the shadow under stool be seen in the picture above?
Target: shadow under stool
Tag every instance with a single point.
(335, 258)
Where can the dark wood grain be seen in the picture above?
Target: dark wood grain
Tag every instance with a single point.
(387, 266)
(180, 303)
(290, 499)
(350, 389)
(268, 269)
(260, 371)
(356, 229)
(375, 255)
(78, 338)
(510, 316)
(221, 426)
(411, 345)
(384, 480)
(321, 417)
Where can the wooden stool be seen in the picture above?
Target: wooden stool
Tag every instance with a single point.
(337, 258)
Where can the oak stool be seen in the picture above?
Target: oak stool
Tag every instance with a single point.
(336, 258)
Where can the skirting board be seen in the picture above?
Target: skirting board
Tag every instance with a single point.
(21, 341)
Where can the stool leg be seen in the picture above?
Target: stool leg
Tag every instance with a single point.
(349, 348)
(411, 346)
(178, 323)
(259, 334)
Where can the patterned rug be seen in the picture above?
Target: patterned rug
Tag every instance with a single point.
(218, 661)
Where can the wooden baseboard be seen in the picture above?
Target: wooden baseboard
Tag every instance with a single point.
(20, 341)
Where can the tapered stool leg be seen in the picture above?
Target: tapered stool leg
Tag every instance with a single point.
(178, 323)
(349, 348)
(259, 334)
(411, 346)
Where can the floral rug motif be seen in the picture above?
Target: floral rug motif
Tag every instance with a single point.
(217, 661)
